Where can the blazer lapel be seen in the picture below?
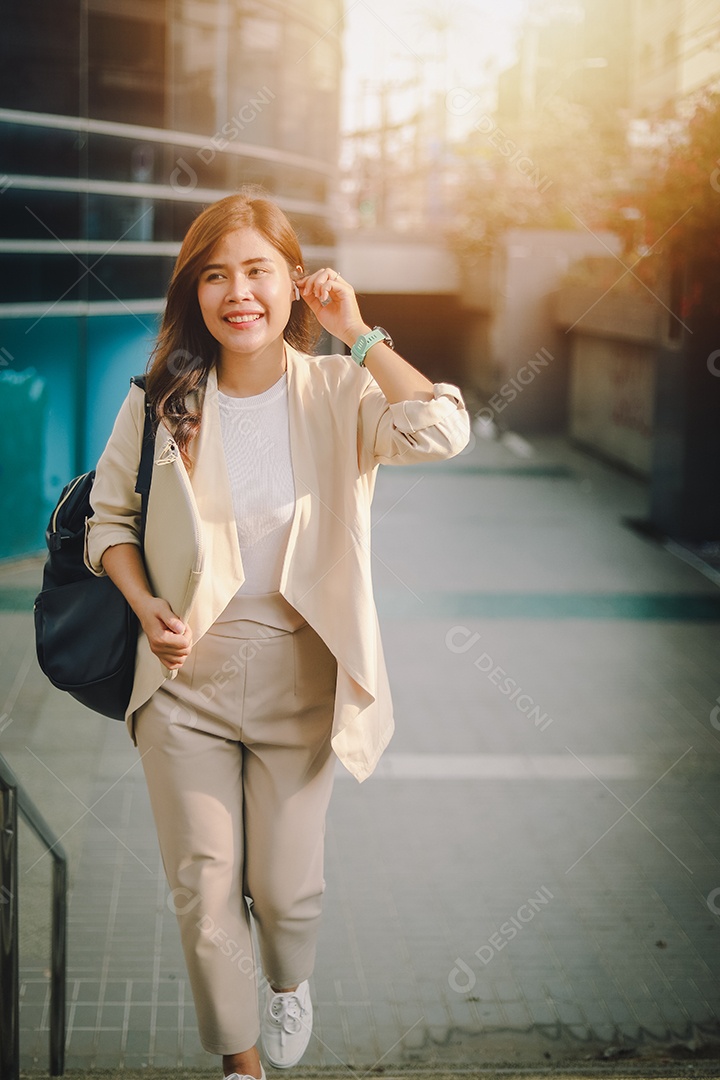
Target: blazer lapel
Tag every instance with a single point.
(304, 455)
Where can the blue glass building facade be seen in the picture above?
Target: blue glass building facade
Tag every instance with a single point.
(119, 121)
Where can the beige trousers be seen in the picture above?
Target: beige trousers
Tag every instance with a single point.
(237, 756)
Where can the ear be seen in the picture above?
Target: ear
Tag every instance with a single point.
(296, 291)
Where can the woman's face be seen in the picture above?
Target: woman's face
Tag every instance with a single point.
(245, 293)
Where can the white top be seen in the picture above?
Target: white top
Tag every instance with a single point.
(256, 441)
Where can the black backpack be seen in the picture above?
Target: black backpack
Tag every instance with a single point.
(85, 630)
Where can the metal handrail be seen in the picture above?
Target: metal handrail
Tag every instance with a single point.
(14, 800)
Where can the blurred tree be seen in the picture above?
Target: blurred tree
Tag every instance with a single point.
(681, 208)
(554, 173)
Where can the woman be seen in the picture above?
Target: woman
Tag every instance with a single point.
(277, 668)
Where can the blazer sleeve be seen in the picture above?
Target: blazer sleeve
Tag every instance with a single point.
(116, 505)
(408, 432)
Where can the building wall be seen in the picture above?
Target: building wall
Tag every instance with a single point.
(699, 59)
(529, 268)
(411, 287)
(430, 331)
(656, 29)
(612, 396)
(577, 52)
(617, 338)
(675, 52)
(657, 53)
(378, 262)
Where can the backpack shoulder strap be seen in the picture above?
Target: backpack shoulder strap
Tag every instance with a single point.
(142, 487)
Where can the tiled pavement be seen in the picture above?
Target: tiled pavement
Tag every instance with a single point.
(534, 871)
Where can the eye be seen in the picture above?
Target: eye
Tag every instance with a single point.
(215, 275)
(258, 270)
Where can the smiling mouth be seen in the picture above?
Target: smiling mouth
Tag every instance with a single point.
(240, 320)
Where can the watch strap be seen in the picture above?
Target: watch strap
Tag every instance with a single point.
(366, 341)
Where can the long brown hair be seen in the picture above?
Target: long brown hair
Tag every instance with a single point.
(186, 350)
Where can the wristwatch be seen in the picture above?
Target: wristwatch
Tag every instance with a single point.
(366, 341)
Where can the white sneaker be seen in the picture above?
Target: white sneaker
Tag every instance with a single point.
(246, 1076)
(287, 1026)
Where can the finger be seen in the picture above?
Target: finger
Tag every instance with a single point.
(171, 659)
(320, 284)
(330, 287)
(167, 617)
(172, 621)
(173, 624)
(171, 645)
(179, 645)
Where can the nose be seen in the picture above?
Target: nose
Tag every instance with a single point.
(239, 288)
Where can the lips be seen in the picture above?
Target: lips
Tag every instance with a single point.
(243, 318)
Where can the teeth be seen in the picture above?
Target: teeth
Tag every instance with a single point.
(242, 318)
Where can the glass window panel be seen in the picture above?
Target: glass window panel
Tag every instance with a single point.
(195, 63)
(126, 69)
(130, 278)
(39, 68)
(40, 215)
(36, 151)
(112, 217)
(40, 279)
(112, 158)
(324, 65)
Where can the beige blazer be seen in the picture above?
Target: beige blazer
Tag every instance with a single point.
(341, 429)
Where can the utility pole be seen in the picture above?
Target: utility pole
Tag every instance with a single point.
(379, 136)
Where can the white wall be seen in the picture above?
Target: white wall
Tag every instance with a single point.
(531, 265)
(375, 263)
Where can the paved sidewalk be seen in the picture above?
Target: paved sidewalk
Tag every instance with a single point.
(532, 876)
(647, 1071)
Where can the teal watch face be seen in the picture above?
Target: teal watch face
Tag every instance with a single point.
(386, 337)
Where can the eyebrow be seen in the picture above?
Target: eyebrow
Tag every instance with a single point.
(247, 262)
